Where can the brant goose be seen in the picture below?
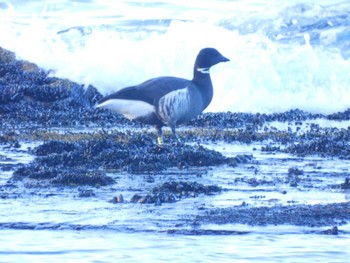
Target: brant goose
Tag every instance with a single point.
(168, 101)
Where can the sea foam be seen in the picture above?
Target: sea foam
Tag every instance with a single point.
(264, 75)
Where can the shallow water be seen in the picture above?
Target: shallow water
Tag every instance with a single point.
(112, 246)
(56, 225)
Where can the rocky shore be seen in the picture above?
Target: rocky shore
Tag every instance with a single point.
(36, 107)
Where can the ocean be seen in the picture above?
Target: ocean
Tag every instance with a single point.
(284, 54)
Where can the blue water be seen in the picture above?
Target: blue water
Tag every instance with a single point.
(284, 55)
(54, 225)
(108, 246)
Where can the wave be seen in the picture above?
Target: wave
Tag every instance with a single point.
(297, 58)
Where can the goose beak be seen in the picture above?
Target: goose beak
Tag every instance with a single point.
(224, 59)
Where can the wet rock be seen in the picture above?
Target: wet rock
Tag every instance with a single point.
(243, 158)
(54, 146)
(35, 172)
(295, 115)
(270, 148)
(340, 115)
(186, 189)
(331, 231)
(6, 56)
(254, 182)
(171, 192)
(145, 200)
(86, 193)
(61, 176)
(295, 171)
(346, 184)
(229, 120)
(48, 92)
(197, 156)
(8, 138)
(293, 177)
(135, 198)
(300, 215)
(118, 199)
(253, 121)
(29, 95)
(133, 153)
(327, 142)
(81, 177)
(293, 184)
(257, 197)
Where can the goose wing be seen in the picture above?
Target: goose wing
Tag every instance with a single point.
(149, 91)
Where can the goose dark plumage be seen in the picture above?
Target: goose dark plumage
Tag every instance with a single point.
(168, 101)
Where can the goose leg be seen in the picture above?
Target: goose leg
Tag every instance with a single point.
(173, 130)
(160, 135)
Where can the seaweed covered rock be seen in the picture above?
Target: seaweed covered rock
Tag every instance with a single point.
(35, 171)
(77, 177)
(124, 152)
(29, 95)
(72, 163)
(340, 115)
(344, 186)
(324, 142)
(60, 176)
(299, 215)
(24, 81)
(54, 146)
(171, 192)
(186, 189)
(253, 121)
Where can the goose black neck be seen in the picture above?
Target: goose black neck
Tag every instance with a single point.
(201, 78)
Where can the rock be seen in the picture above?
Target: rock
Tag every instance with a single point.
(346, 184)
(118, 199)
(295, 171)
(86, 193)
(135, 198)
(57, 175)
(331, 231)
(299, 215)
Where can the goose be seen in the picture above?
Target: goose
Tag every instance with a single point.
(167, 101)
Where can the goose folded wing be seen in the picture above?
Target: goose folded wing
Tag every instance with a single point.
(149, 91)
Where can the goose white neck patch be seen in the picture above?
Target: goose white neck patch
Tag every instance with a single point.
(203, 70)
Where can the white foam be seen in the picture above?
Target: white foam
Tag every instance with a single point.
(262, 76)
(265, 77)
